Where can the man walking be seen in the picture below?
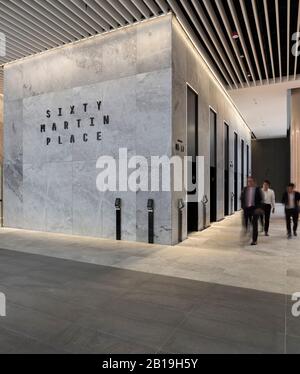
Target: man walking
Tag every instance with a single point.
(268, 204)
(291, 200)
(251, 200)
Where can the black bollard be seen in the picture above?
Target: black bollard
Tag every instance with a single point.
(204, 203)
(180, 219)
(150, 207)
(118, 206)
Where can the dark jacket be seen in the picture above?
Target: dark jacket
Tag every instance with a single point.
(285, 198)
(258, 198)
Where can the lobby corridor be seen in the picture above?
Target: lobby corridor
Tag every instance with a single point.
(211, 294)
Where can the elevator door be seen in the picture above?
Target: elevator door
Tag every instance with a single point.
(248, 162)
(192, 150)
(213, 166)
(242, 165)
(226, 169)
(236, 168)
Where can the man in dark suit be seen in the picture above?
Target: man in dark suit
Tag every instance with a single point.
(251, 200)
(291, 201)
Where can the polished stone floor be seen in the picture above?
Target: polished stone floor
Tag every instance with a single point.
(211, 294)
(220, 255)
(57, 306)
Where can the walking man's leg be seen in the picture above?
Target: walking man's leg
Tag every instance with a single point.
(295, 221)
(262, 221)
(255, 228)
(268, 209)
(288, 217)
(246, 218)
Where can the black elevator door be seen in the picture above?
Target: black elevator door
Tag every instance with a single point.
(242, 165)
(236, 168)
(226, 170)
(213, 166)
(192, 135)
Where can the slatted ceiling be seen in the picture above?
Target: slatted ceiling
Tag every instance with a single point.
(260, 55)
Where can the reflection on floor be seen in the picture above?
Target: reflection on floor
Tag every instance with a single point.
(220, 255)
(211, 294)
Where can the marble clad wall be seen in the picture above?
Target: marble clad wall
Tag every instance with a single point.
(53, 187)
(1, 127)
(140, 75)
(190, 68)
(1, 143)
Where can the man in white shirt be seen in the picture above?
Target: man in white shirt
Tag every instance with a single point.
(269, 202)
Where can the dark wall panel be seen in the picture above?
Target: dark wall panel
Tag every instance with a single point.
(271, 160)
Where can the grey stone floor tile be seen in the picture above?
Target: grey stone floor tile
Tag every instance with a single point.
(31, 323)
(56, 305)
(235, 332)
(14, 343)
(168, 291)
(224, 292)
(145, 312)
(81, 340)
(187, 342)
(254, 318)
(144, 329)
(255, 302)
(292, 344)
(293, 326)
(44, 301)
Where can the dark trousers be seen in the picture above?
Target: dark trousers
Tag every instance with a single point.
(291, 214)
(251, 217)
(265, 220)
